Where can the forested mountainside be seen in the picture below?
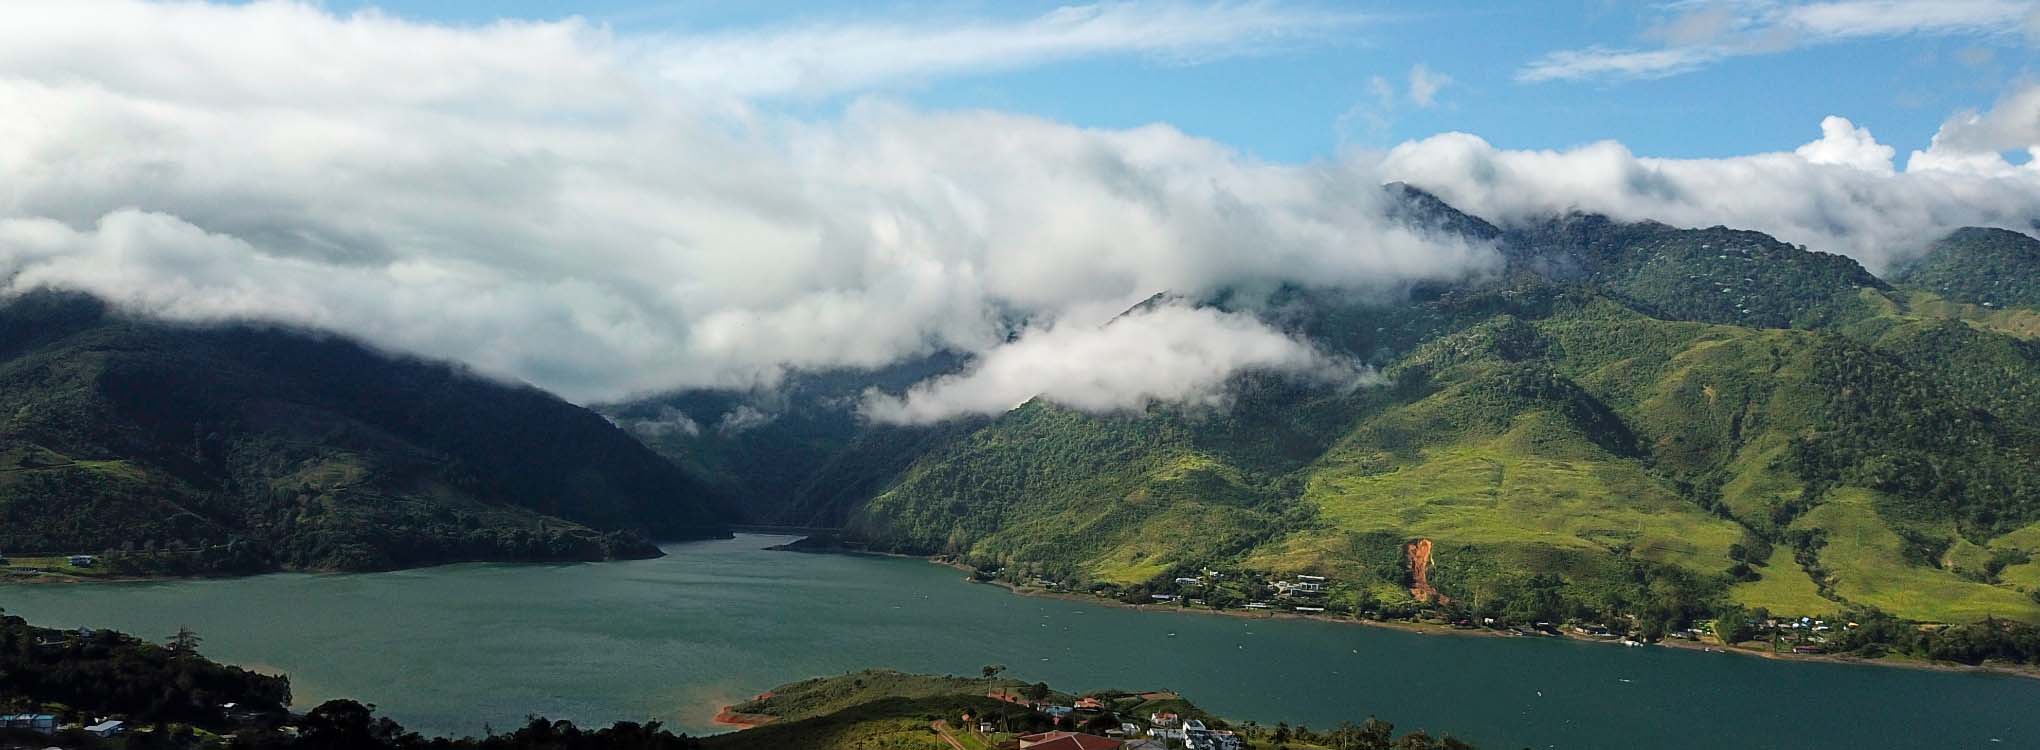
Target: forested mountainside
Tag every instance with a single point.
(1995, 267)
(1634, 420)
(237, 448)
(798, 453)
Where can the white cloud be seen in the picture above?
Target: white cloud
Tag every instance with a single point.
(1369, 121)
(1841, 142)
(1840, 194)
(1703, 32)
(855, 56)
(1165, 353)
(539, 201)
(669, 422)
(1599, 62)
(1425, 85)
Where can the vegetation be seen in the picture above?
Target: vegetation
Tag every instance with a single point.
(231, 449)
(1997, 267)
(1605, 436)
(101, 672)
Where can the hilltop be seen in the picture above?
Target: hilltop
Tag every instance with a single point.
(1635, 422)
(238, 448)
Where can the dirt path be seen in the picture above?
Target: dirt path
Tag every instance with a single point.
(941, 727)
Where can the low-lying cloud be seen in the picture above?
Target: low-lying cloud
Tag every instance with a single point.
(1842, 193)
(1167, 353)
(561, 204)
(542, 201)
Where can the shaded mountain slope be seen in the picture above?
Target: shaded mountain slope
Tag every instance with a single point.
(120, 433)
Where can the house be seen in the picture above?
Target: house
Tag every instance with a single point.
(1165, 720)
(1190, 581)
(1068, 741)
(1088, 703)
(1145, 745)
(40, 723)
(107, 728)
(83, 561)
(986, 727)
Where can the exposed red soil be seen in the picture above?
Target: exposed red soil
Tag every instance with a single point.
(1419, 553)
(731, 717)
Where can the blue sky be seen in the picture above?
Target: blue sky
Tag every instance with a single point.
(1306, 92)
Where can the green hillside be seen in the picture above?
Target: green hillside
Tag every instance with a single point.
(1612, 443)
(245, 448)
(1995, 267)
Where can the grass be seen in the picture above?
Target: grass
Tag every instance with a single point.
(825, 695)
(1865, 557)
(2020, 322)
(1785, 589)
(1498, 493)
(2024, 576)
(52, 564)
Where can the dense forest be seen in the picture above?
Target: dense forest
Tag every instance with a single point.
(236, 448)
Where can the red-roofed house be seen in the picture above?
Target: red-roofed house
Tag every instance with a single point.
(1068, 741)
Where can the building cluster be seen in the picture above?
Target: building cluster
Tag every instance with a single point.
(1161, 731)
(46, 724)
(1192, 733)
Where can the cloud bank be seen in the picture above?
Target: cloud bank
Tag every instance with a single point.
(1841, 194)
(602, 216)
(553, 203)
(1167, 353)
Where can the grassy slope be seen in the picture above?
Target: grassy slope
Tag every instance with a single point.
(1570, 440)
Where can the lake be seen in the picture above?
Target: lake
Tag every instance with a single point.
(451, 649)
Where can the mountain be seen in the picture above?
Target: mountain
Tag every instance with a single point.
(795, 454)
(1991, 267)
(249, 447)
(1639, 420)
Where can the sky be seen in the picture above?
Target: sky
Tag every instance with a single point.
(611, 198)
(1304, 91)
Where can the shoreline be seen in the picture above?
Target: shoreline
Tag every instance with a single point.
(2026, 671)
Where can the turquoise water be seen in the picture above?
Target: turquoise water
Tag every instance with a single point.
(452, 649)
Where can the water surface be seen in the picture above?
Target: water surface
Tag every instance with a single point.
(453, 649)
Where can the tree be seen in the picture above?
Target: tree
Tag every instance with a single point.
(185, 642)
(993, 670)
(1732, 625)
(1036, 691)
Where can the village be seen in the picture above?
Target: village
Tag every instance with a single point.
(1102, 722)
(1306, 595)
